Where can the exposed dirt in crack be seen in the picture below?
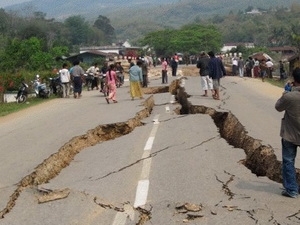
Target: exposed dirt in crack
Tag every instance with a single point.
(260, 159)
(54, 164)
(145, 215)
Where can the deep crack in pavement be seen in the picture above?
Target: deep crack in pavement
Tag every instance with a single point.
(260, 159)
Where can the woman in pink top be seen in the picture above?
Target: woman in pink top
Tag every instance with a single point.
(111, 80)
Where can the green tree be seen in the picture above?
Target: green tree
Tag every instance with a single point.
(27, 54)
(103, 23)
(190, 39)
(78, 29)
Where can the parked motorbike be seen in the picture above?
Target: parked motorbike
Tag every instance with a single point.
(56, 86)
(22, 93)
(40, 89)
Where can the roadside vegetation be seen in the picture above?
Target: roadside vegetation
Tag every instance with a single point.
(8, 108)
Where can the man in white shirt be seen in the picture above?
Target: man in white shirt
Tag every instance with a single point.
(65, 80)
(234, 66)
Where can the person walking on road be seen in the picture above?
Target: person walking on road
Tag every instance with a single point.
(65, 78)
(290, 135)
(77, 73)
(206, 81)
(111, 82)
(216, 72)
(136, 79)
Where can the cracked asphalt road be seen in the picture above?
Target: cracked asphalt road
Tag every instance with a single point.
(188, 162)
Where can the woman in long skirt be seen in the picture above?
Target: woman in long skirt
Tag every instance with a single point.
(135, 79)
(111, 80)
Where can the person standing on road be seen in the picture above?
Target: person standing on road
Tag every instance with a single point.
(256, 69)
(164, 71)
(65, 78)
(263, 68)
(234, 66)
(249, 67)
(290, 135)
(136, 79)
(111, 81)
(206, 81)
(270, 65)
(77, 73)
(241, 66)
(174, 66)
(281, 70)
(145, 72)
(216, 72)
(94, 71)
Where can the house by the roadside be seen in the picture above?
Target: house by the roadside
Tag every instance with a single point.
(294, 61)
(229, 46)
(88, 57)
(125, 50)
(289, 56)
(285, 51)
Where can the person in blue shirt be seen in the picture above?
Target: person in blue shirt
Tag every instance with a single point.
(136, 79)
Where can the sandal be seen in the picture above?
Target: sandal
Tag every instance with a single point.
(204, 95)
(107, 100)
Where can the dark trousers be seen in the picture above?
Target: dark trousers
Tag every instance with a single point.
(174, 71)
(145, 81)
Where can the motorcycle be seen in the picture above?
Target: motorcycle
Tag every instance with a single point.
(104, 88)
(40, 89)
(22, 93)
(56, 86)
(89, 79)
(120, 79)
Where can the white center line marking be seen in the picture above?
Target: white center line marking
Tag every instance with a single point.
(141, 193)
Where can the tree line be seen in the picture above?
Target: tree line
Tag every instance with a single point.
(34, 43)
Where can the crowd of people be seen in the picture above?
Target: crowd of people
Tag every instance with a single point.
(253, 67)
(106, 79)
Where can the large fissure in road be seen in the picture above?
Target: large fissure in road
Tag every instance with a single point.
(260, 159)
(54, 164)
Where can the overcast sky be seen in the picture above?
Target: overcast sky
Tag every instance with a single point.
(4, 3)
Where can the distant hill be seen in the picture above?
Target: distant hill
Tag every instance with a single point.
(133, 18)
(89, 8)
(161, 10)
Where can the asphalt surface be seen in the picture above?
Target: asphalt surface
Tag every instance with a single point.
(148, 175)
